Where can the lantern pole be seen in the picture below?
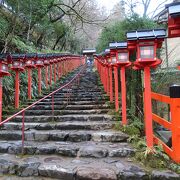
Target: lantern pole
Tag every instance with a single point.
(29, 83)
(39, 80)
(148, 107)
(110, 84)
(116, 88)
(17, 90)
(0, 98)
(123, 95)
(46, 76)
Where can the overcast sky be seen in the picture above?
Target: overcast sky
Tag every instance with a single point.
(108, 4)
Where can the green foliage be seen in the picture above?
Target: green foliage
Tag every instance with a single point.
(117, 32)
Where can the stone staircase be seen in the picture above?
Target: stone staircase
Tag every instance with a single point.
(77, 143)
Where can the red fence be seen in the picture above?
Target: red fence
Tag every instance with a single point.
(68, 85)
(173, 125)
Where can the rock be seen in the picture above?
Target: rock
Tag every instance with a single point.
(7, 167)
(41, 136)
(55, 171)
(79, 136)
(109, 136)
(70, 151)
(95, 173)
(28, 169)
(132, 172)
(46, 149)
(164, 175)
(92, 151)
(4, 147)
(30, 150)
(121, 152)
(15, 149)
(58, 136)
(44, 126)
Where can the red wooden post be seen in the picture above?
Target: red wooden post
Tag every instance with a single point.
(116, 88)
(107, 73)
(0, 98)
(50, 78)
(123, 95)
(55, 73)
(148, 107)
(46, 77)
(175, 114)
(17, 90)
(29, 83)
(39, 80)
(111, 84)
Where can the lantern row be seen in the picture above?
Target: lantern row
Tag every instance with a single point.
(145, 44)
(54, 64)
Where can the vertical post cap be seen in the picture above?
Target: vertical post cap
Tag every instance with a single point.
(174, 91)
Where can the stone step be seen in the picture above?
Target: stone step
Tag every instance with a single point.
(64, 118)
(70, 107)
(65, 112)
(69, 125)
(75, 99)
(72, 103)
(59, 135)
(68, 149)
(41, 167)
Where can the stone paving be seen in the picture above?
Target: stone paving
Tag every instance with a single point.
(77, 143)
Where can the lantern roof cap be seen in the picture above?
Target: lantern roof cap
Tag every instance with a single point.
(118, 45)
(89, 51)
(18, 56)
(4, 56)
(31, 55)
(173, 9)
(146, 34)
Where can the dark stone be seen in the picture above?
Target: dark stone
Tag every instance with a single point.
(41, 136)
(132, 172)
(70, 151)
(55, 171)
(95, 173)
(7, 167)
(44, 127)
(46, 149)
(164, 175)
(60, 136)
(15, 149)
(28, 169)
(121, 152)
(79, 136)
(4, 147)
(109, 136)
(92, 151)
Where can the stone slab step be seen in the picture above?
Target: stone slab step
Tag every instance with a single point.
(64, 168)
(95, 98)
(69, 125)
(65, 112)
(64, 118)
(71, 107)
(69, 149)
(59, 135)
(72, 103)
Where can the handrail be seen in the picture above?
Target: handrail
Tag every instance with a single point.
(52, 93)
(174, 150)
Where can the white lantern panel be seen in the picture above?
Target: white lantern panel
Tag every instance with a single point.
(147, 52)
(122, 57)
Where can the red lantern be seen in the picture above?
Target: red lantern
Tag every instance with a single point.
(146, 43)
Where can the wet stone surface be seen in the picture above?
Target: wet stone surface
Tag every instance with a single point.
(77, 143)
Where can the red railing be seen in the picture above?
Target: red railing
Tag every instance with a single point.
(67, 85)
(173, 125)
